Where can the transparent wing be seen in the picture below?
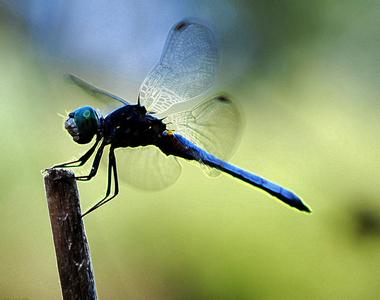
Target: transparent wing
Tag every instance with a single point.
(186, 68)
(93, 91)
(212, 125)
(147, 167)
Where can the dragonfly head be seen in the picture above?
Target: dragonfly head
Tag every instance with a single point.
(83, 123)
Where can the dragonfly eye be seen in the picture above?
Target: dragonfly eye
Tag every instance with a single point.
(83, 124)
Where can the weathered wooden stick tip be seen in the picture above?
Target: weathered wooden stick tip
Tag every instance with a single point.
(70, 241)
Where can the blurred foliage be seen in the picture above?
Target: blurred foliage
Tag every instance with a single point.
(311, 110)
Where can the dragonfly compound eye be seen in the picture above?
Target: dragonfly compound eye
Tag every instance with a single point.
(83, 124)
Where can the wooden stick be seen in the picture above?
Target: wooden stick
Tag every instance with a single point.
(70, 241)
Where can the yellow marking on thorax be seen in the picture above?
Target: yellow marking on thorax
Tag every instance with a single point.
(170, 132)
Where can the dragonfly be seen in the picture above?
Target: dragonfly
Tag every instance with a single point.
(149, 140)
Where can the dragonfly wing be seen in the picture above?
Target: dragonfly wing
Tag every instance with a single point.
(93, 91)
(186, 68)
(147, 167)
(212, 125)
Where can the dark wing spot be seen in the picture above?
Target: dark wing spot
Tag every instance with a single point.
(181, 25)
(223, 98)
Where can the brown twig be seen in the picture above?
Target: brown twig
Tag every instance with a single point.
(71, 246)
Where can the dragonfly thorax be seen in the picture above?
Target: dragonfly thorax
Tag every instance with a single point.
(83, 123)
(131, 126)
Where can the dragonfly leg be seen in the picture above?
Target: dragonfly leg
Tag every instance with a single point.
(111, 169)
(82, 160)
(95, 165)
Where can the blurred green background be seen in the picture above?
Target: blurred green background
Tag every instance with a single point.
(306, 77)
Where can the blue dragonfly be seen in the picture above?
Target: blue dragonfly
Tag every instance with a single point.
(149, 140)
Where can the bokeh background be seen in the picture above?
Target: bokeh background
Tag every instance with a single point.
(306, 77)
